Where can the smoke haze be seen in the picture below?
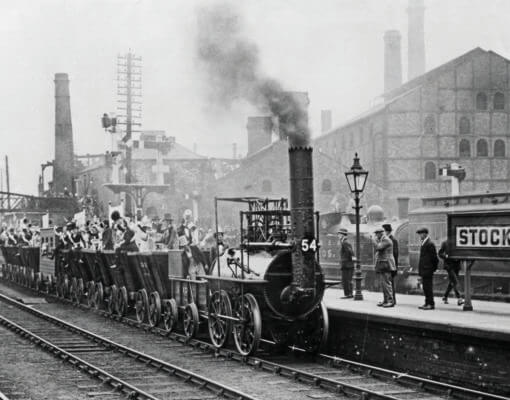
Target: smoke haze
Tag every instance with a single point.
(230, 61)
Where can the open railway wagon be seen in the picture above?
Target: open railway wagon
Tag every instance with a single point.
(21, 265)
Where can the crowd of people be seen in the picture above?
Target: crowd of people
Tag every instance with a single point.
(22, 234)
(386, 266)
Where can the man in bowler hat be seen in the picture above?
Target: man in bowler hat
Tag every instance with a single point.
(387, 231)
(346, 263)
(427, 265)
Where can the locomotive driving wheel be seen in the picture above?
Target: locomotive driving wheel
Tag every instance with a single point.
(219, 326)
(170, 314)
(80, 290)
(312, 333)
(248, 326)
(112, 299)
(154, 311)
(141, 305)
(121, 304)
(191, 320)
(91, 293)
(98, 295)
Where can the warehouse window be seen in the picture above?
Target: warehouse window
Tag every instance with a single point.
(326, 186)
(499, 148)
(429, 126)
(464, 148)
(499, 101)
(481, 101)
(482, 148)
(266, 186)
(464, 126)
(430, 171)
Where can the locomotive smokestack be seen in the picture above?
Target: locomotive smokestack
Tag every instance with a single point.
(301, 202)
(63, 167)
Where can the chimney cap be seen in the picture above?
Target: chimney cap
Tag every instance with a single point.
(61, 76)
(392, 34)
(263, 122)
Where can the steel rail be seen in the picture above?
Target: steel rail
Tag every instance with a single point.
(3, 396)
(173, 370)
(406, 380)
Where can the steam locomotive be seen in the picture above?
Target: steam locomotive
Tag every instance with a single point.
(271, 285)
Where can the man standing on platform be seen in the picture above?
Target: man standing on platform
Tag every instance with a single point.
(387, 231)
(427, 265)
(346, 263)
(452, 267)
(384, 265)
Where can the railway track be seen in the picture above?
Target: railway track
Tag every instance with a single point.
(135, 374)
(331, 374)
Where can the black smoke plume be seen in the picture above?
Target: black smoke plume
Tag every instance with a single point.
(231, 63)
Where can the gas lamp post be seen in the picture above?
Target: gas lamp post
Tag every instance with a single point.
(357, 178)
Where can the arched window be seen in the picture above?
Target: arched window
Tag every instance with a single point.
(266, 186)
(499, 148)
(464, 126)
(464, 148)
(499, 101)
(482, 148)
(429, 125)
(481, 101)
(326, 186)
(430, 171)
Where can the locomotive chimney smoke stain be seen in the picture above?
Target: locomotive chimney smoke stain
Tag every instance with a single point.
(231, 63)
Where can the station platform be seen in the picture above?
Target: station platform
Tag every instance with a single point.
(490, 320)
(467, 348)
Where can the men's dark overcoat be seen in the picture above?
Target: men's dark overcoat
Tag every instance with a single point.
(428, 258)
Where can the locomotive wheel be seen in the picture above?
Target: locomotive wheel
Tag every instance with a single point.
(141, 305)
(154, 314)
(90, 293)
(121, 304)
(191, 320)
(80, 291)
(280, 333)
(98, 295)
(112, 299)
(219, 327)
(170, 314)
(248, 326)
(312, 332)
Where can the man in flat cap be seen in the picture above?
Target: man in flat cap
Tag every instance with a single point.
(346, 263)
(427, 265)
(387, 231)
(384, 265)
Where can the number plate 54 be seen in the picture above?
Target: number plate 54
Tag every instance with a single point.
(308, 245)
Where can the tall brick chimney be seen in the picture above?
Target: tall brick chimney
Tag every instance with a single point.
(392, 60)
(63, 166)
(416, 38)
(259, 133)
(326, 121)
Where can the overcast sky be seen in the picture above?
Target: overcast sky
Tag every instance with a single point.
(331, 48)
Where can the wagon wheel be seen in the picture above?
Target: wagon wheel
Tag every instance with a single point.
(74, 289)
(312, 332)
(80, 290)
(170, 314)
(112, 299)
(121, 304)
(219, 327)
(98, 295)
(191, 320)
(141, 305)
(280, 333)
(154, 311)
(248, 326)
(91, 293)
(37, 281)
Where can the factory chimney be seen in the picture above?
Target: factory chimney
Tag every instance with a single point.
(416, 38)
(392, 61)
(326, 121)
(63, 166)
(259, 133)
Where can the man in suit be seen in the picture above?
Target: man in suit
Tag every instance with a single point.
(384, 265)
(346, 263)
(387, 231)
(427, 265)
(452, 267)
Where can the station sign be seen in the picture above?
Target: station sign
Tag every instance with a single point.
(479, 235)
